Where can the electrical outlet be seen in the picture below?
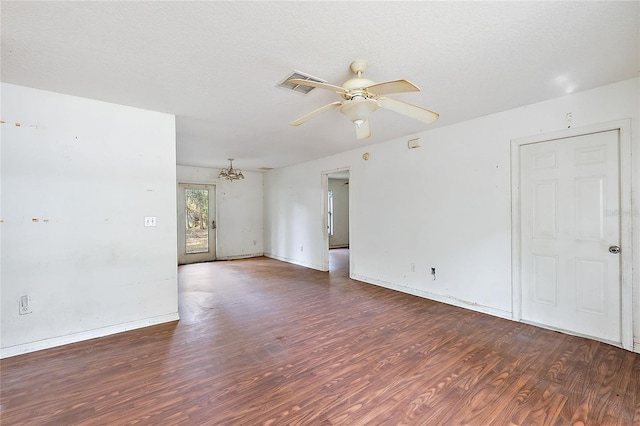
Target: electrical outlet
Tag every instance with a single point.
(413, 267)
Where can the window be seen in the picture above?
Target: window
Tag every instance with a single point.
(330, 215)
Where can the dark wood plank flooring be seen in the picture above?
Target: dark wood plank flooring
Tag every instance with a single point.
(262, 342)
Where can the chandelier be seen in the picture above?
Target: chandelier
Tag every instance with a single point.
(230, 173)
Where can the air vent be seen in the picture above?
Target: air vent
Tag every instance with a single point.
(297, 87)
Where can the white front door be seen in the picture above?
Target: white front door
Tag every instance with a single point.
(569, 207)
(196, 223)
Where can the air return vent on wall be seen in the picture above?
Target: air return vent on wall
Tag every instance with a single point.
(297, 87)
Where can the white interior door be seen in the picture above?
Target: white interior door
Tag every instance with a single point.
(196, 223)
(570, 203)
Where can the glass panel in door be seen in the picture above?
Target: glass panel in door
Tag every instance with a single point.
(197, 220)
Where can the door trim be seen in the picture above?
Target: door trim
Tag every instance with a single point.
(626, 237)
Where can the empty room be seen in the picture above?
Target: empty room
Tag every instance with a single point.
(320, 213)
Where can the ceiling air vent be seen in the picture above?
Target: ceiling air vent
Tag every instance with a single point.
(297, 87)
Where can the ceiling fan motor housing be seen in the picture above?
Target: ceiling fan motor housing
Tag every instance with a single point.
(355, 87)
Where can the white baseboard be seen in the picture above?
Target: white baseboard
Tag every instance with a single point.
(450, 300)
(84, 335)
(239, 256)
(295, 261)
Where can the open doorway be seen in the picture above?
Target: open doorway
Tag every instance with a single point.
(337, 241)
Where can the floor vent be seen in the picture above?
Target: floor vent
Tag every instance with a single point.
(297, 87)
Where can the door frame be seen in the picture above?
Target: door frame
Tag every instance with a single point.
(325, 214)
(626, 238)
(212, 216)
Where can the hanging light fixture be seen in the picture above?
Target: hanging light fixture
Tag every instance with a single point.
(358, 109)
(230, 173)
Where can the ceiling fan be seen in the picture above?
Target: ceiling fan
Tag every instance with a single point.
(363, 96)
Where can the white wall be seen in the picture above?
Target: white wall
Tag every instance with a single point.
(78, 178)
(448, 206)
(294, 219)
(239, 211)
(340, 237)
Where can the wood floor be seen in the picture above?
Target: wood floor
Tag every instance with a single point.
(262, 342)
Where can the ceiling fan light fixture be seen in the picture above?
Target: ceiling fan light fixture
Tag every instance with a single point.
(230, 173)
(358, 109)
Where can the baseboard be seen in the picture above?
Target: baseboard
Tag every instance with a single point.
(239, 256)
(295, 261)
(636, 347)
(449, 300)
(84, 335)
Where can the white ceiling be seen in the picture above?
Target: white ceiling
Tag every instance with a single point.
(215, 65)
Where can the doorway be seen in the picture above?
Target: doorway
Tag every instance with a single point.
(336, 215)
(196, 223)
(568, 268)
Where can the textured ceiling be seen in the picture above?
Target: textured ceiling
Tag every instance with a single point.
(215, 65)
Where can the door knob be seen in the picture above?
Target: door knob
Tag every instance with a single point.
(213, 224)
(614, 249)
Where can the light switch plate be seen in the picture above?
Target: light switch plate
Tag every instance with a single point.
(150, 221)
(24, 307)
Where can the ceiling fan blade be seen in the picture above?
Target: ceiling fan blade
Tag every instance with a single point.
(363, 131)
(409, 110)
(396, 86)
(312, 114)
(317, 84)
